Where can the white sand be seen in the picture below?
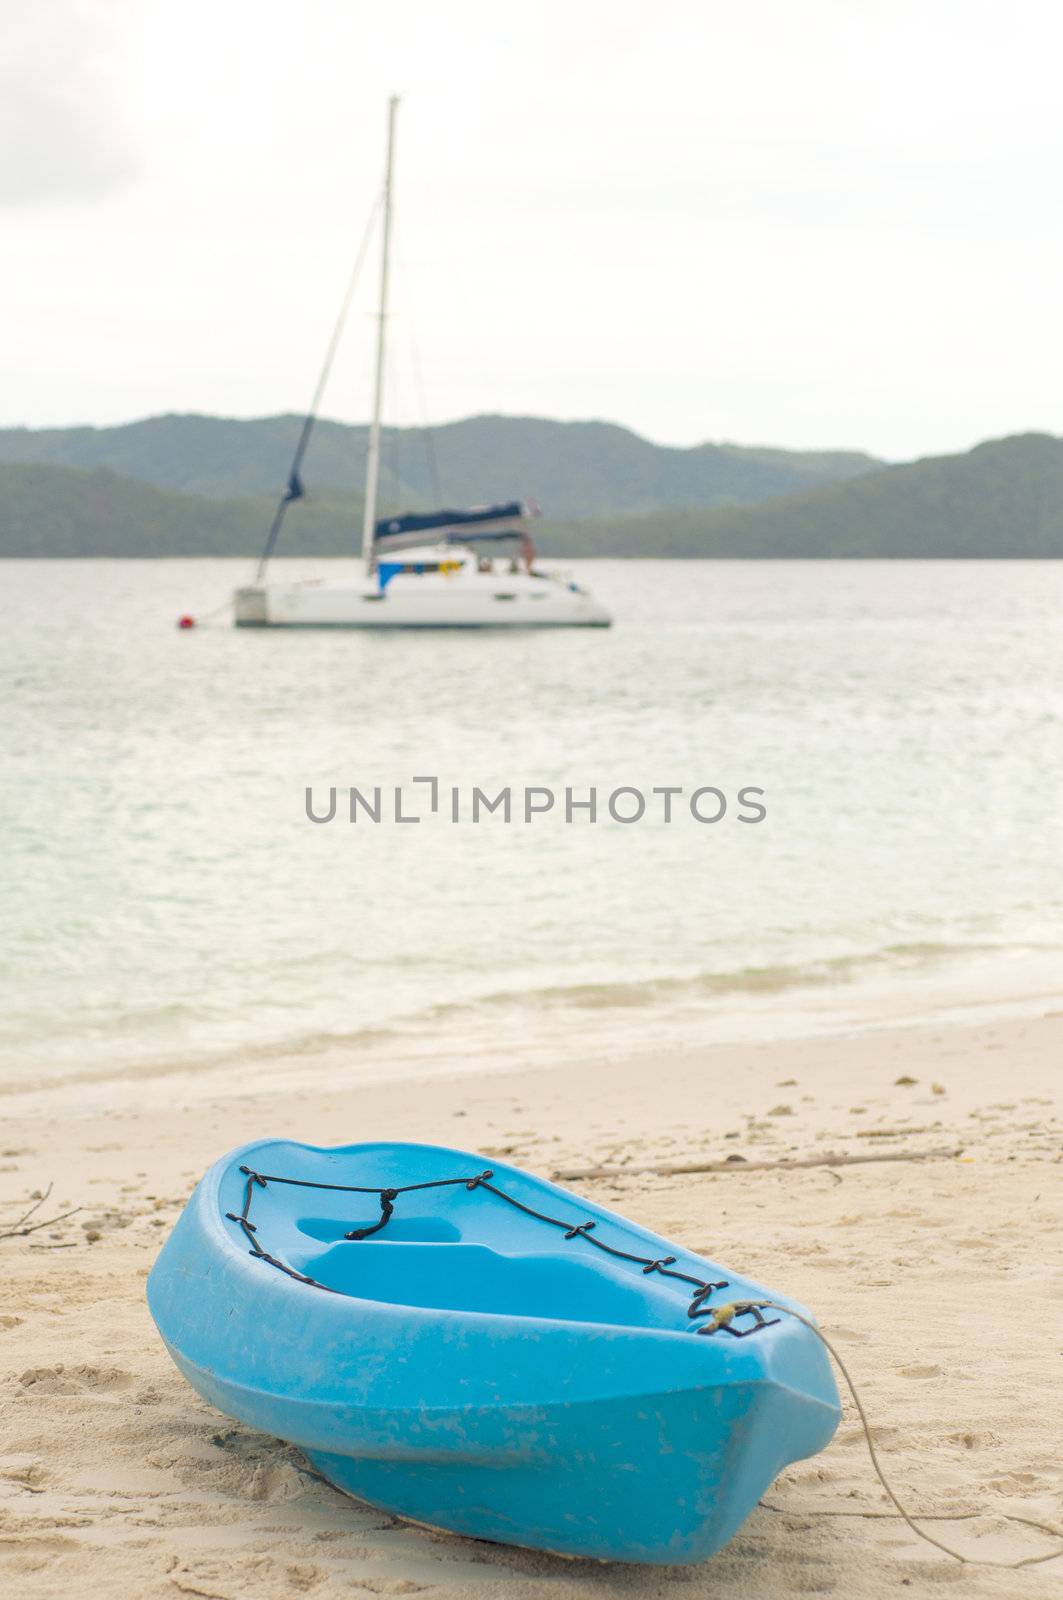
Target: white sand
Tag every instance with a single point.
(941, 1281)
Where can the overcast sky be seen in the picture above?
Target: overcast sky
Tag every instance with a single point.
(816, 224)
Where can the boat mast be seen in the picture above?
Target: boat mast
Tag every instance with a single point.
(372, 465)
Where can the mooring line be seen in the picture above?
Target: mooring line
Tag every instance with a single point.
(721, 1317)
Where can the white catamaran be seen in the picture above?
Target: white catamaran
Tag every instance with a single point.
(445, 569)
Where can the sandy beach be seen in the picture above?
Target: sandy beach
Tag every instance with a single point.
(532, 544)
(940, 1279)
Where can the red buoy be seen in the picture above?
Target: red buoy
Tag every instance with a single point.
(186, 622)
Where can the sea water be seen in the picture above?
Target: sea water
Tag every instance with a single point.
(172, 915)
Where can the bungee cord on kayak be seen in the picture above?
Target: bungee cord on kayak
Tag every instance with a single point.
(664, 1265)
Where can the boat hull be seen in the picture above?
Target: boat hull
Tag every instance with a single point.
(418, 603)
(630, 1438)
(653, 1479)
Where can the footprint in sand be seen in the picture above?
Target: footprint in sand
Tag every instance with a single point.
(930, 1572)
(268, 1482)
(210, 1578)
(75, 1380)
(921, 1370)
(39, 1552)
(237, 1465)
(28, 1474)
(1015, 1482)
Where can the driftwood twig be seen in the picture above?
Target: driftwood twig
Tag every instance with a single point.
(894, 1133)
(666, 1169)
(23, 1226)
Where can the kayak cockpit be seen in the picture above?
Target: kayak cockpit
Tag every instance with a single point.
(460, 1242)
(455, 1276)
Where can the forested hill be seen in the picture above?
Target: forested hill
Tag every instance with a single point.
(60, 511)
(1004, 498)
(576, 469)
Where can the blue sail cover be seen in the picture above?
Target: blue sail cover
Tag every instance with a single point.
(455, 527)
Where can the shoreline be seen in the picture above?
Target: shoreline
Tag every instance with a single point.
(116, 1478)
(943, 993)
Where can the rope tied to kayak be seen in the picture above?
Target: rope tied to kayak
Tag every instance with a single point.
(698, 1311)
(722, 1316)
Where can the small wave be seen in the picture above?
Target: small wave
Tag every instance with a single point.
(633, 993)
(234, 1057)
(443, 1025)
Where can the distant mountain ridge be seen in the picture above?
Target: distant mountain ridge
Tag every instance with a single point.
(61, 511)
(576, 469)
(1004, 498)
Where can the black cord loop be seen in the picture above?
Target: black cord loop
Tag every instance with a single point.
(664, 1266)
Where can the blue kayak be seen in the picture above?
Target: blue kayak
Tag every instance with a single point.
(469, 1346)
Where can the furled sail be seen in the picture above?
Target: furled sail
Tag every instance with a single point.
(506, 521)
